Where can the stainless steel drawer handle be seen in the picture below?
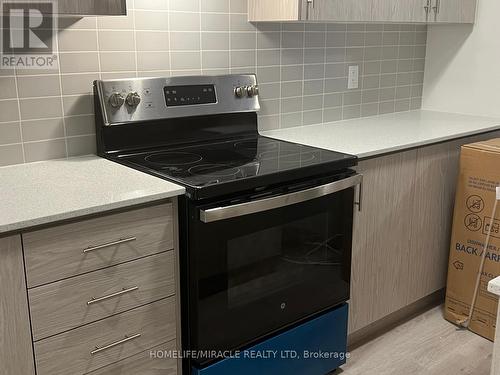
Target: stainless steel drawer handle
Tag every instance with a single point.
(127, 338)
(109, 244)
(228, 212)
(117, 294)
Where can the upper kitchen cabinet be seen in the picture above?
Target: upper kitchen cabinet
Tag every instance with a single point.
(91, 7)
(424, 11)
(337, 10)
(307, 10)
(401, 10)
(412, 11)
(453, 11)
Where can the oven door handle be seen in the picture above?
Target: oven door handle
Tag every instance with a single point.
(242, 209)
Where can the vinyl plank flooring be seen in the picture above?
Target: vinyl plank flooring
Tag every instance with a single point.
(428, 345)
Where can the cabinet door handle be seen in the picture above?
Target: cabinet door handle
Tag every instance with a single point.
(437, 7)
(113, 295)
(127, 338)
(109, 244)
(359, 203)
(427, 8)
(309, 5)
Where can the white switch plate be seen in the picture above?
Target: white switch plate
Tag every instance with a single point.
(353, 79)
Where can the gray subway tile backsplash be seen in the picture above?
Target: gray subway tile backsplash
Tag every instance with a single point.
(11, 154)
(302, 69)
(10, 133)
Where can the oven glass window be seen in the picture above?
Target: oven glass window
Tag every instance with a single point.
(275, 259)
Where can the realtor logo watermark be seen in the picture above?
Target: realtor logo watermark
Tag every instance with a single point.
(28, 34)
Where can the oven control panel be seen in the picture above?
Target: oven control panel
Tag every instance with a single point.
(144, 99)
(190, 95)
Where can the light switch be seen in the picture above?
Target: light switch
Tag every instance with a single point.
(353, 78)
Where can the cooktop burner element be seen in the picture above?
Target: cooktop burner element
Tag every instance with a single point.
(173, 158)
(214, 170)
(249, 145)
(202, 133)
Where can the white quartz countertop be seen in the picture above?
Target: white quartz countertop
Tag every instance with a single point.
(378, 135)
(45, 192)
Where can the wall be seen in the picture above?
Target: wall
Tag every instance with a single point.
(301, 68)
(462, 68)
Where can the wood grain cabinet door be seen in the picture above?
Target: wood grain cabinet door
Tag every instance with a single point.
(432, 216)
(16, 350)
(275, 10)
(381, 239)
(400, 10)
(92, 7)
(453, 11)
(337, 10)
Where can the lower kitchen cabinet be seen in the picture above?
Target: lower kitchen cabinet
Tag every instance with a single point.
(432, 218)
(381, 238)
(101, 295)
(401, 237)
(16, 349)
(155, 361)
(108, 341)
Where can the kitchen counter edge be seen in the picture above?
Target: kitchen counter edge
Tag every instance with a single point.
(48, 192)
(380, 135)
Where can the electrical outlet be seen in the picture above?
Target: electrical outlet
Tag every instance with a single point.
(353, 78)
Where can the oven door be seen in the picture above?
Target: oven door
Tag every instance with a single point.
(262, 265)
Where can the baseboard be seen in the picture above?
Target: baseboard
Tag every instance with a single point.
(395, 319)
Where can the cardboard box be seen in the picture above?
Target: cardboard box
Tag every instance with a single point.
(475, 199)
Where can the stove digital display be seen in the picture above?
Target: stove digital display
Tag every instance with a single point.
(176, 96)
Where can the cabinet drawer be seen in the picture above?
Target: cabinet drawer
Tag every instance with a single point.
(73, 302)
(72, 249)
(107, 341)
(149, 362)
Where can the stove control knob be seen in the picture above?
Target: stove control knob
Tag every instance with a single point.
(116, 100)
(252, 91)
(133, 99)
(239, 91)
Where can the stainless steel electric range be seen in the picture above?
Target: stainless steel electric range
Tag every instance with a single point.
(265, 226)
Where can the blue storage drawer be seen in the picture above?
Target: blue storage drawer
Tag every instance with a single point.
(316, 347)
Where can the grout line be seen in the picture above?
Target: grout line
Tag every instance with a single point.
(113, 51)
(325, 31)
(345, 62)
(48, 118)
(61, 95)
(280, 107)
(48, 139)
(303, 72)
(230, 42)
(99, 66)
(19, 115)
(169, 36)
(256, 52)
(135, 40)
(362, 75)
(225, 51)
(200, 36)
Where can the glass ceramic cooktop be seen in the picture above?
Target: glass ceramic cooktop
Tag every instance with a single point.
(213, 163)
